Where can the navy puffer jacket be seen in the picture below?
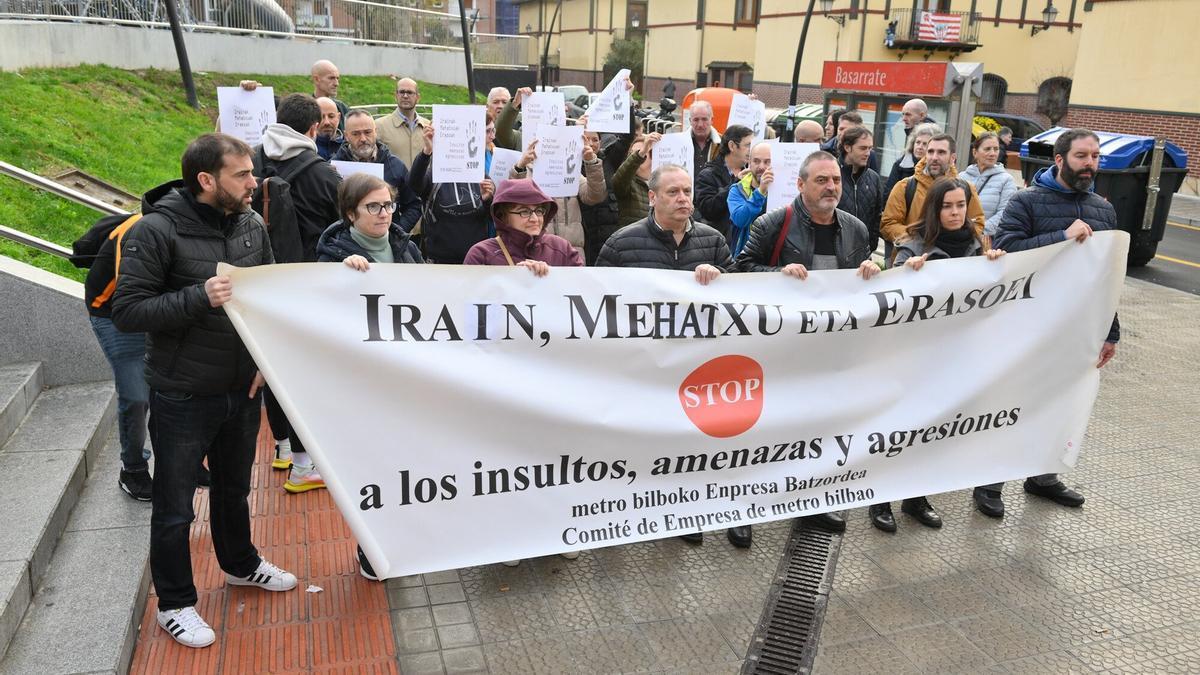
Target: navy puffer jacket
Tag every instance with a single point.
(1040, 215)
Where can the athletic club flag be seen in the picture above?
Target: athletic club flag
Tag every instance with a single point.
(939, 27)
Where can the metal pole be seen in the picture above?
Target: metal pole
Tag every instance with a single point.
(1152, 186)
(545, 78)
(185, 68)
(466, 39)
(789, 135)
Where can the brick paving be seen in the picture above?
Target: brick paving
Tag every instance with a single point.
(1110, 587)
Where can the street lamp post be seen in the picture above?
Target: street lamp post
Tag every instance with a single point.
(789, 134)
(1048, 16)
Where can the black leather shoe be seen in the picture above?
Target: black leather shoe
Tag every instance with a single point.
(693, 537)
(881, 517)
(830, 522)
(922, 510)
(740, 536)
(989, 502)
(1056, 492)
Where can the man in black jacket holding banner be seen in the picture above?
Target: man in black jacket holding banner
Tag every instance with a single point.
(204, 386)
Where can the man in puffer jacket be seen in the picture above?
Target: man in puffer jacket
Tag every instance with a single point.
(668, 239)
(1059, 205)
(362, 146)
(457, 215)
(204, 385)
(567, 219)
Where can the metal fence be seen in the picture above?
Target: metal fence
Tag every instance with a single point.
(908, 26)
(355, 21)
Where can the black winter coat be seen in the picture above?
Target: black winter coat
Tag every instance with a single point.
(897, 174)
(863, 197)
(456, 216)
(314, 192)
(408, 204)
(645, 244)
(336, 245)
(712, 194)
(850, 241)
(190, 346)
(1040, 215)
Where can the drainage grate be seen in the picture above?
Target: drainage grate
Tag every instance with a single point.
(785, 641)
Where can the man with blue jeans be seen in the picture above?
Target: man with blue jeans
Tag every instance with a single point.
(124, 352)
(204, 386)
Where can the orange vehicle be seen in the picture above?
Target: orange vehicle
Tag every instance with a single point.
(719, 98)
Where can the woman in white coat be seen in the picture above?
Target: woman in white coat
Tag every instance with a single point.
(993, 183)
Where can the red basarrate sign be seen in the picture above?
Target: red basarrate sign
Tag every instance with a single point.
(885, 77)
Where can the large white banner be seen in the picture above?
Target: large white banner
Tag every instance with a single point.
(463, 415)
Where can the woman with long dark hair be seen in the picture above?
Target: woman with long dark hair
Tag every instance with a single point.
(942, 232)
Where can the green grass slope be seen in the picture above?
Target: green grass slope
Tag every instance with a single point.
(125, 127)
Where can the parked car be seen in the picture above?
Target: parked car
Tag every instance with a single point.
(1023, 128)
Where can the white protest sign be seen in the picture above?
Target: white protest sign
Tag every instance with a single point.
(558, 169)
(347, 169)
(459, 143)
(786, 159)
(610, 112)
(538, 108)
(585, 431)
(675, 148)
(503, 160)
(748, 113)
(245, 114)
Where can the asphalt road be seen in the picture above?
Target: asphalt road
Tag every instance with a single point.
(1177, 264)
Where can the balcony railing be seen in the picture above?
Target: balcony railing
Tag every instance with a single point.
(354, 21)
(908, 31)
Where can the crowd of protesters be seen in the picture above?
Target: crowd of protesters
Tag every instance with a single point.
(205, 396)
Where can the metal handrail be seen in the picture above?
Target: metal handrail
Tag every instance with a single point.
(34, 242)
(56, 189)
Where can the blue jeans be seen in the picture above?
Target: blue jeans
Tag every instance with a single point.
(185, 427)
(125, 353)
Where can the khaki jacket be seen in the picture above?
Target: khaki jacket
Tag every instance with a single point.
(896, 216)
(405, 143)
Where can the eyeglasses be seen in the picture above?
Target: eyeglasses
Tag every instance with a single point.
(375, 208)
(405, 92)
(528, 214)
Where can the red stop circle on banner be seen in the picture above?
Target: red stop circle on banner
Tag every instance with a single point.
(724, 396)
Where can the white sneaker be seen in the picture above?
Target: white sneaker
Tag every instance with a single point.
(186, 626)
(267, 577)
(511, 563)
(570, 555)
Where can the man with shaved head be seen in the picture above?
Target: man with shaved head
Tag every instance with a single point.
(329, 138)
(914, 112)
(809, 131)
(403, 131)
(325, 79)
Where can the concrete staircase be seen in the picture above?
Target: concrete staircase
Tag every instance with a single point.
(73, 548)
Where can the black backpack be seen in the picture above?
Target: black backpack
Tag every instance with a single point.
(273, 201)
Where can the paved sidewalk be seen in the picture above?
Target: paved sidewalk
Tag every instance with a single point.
(1108, 587)
(1185, 209)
